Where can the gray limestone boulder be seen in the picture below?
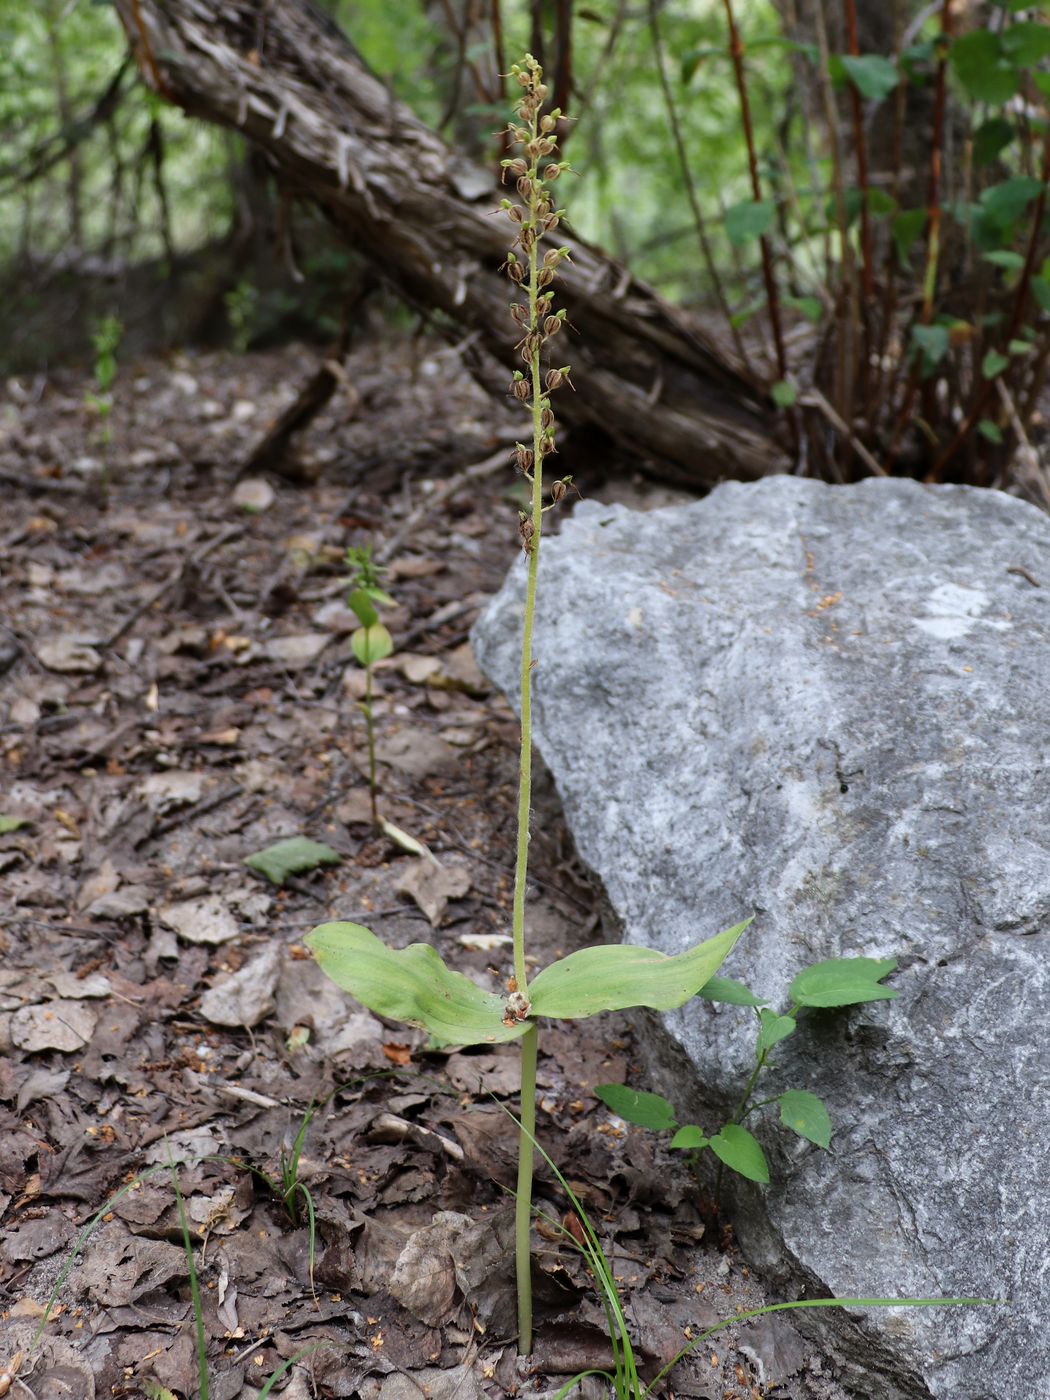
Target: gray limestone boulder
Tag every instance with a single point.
(828, 706)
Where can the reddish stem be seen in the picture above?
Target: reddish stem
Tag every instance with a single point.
(867, 267)
(736, 50)
(1016, 320)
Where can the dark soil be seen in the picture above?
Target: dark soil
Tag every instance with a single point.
(178, 692)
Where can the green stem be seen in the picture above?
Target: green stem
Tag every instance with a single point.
(523, 1206)
(370, 728)
(529, 1040)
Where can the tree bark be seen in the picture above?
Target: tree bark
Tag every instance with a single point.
(284, 75)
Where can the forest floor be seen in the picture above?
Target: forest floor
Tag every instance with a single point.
(178, 692)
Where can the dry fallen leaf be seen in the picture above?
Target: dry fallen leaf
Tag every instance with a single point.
(55, 1025)
(432, 886)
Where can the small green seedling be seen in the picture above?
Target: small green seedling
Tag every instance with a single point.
(413, 984)
(833, 983)
(370, 643)
(241, 305)
(105, 340)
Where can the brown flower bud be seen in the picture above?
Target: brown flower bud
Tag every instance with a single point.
(551, 325)
(548, 124)
(552, 172)
(520, 389)
(526, 239)
(523, 456)
(546, 276)
(526, 530)
(549, 225)
(547, 445)
(558, 491)
(520, 312)
(514, 168)
(525, 187)
(515, 214)
(547, 419)
(544, 146)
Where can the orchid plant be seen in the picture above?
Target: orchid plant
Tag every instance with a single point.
(413, 984)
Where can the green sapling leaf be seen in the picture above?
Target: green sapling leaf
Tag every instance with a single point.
(292, 857)
(613, 978)
(749, 219)
(371, 644)
(740, 1152)
(871, 74)
(689, 1138)
(8, 824)
(636, 1106)
(411, 984)
(843, 982)
(806, 1115)
(360, 604)
(729, 991)
(773, 1030)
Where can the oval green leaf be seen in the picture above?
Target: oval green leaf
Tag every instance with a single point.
(871, 74)
(729, 991)
(843, 982)
(636, 1106)
(689, 1138)
(749, 219)
(371, 644)
(613, 977)
(806, 1115)
(773, 1030)
(740, 1152)
(412, 985)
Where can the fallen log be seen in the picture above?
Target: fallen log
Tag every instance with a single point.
(286, 76)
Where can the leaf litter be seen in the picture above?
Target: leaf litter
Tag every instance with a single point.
(181, 696)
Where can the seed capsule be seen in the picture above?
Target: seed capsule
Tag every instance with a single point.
(515, 271)
(547, 419)
(546, 276)
(520, 389)
(558, 491)
(523, 455)
(547, 445)
(551, 325)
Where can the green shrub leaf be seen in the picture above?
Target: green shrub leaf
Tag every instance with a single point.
(843, 982)
(8, 824)
(292, 857)
(412, 985)
(989, 431)
(873, 76)
(907, 227)
(990, 138)
(614, 977)
(371, 644)
(728, 990)
(1007, 201)
(933, 342)
(993, 364)
(635, 1106)
(806, 1115)
(689, 1138)
(784, 393)
(749, 219)
(740, 1152)
(1026, 42)
(983, 69)
(1006, 258)
(773, 1030)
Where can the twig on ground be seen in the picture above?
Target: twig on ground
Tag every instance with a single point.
(232, 532)
(437, 498)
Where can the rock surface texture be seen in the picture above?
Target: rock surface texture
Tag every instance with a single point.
(829, 706)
